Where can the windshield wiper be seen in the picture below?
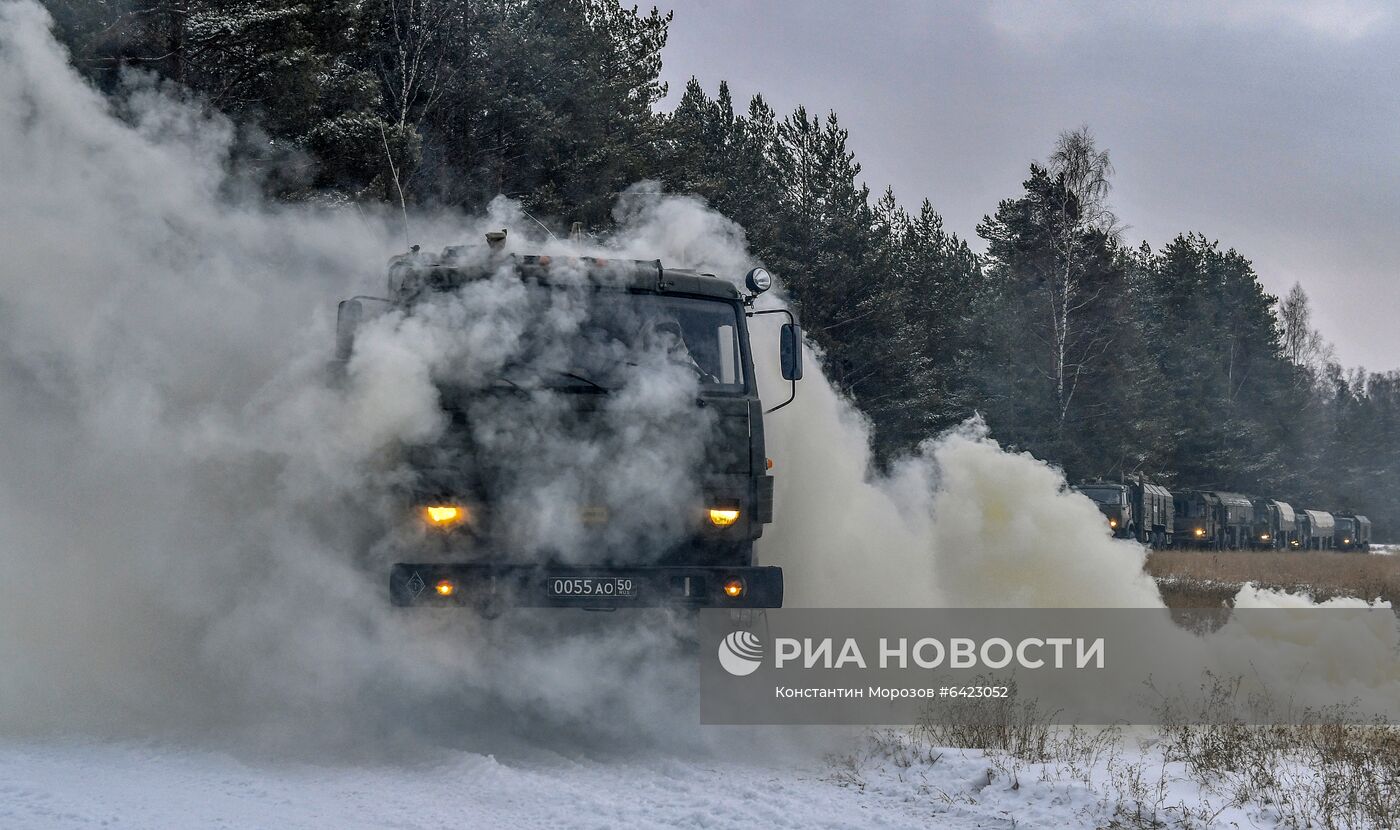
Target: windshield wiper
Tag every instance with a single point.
(514, 387)
(600, 387)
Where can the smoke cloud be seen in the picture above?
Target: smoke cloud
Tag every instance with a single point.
(202, 514)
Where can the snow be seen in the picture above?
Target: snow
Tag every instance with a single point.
(84, 783)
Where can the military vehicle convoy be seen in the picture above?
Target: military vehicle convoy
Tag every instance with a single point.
(1217, 520)
(464, 549)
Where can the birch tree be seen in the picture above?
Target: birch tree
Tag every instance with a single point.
(1082, 171)
(1302, 344)
(413, 67)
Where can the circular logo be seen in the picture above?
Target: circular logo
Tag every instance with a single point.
(741, 653)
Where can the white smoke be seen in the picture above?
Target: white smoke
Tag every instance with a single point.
(181, 489)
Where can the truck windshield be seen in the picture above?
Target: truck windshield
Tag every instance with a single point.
(1103, 495)
(595, 340)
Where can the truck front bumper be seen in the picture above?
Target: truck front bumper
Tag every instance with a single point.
(449, 585)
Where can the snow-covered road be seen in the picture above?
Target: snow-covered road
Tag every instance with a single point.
(80, 784)
(881, 780)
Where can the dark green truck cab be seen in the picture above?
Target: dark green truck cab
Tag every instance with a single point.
(469, 535)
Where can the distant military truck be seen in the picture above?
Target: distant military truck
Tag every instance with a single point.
(1317, 530)
(1236, 520)
(465, 556)
(1114, 502)
(1353, 532)
(1197, 519)
(1275, 525)
(1156, 514)
(1135, 509)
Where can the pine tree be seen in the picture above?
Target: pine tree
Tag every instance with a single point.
(1217, 345)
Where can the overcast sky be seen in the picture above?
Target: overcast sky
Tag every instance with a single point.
(1273, 127)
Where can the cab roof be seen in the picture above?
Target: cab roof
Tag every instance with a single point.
(416, 273)
(1234, 499)
(1285, 510)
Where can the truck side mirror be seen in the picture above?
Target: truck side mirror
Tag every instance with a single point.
(347, 321)
(790, 351)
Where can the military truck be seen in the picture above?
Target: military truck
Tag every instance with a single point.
(1236, 520)
(462, 547)
(1113, 502)
(1197, 519)
(1353, 532)
(1135, 509)
(1275, 525)
(1156, 515)
(1317, 530)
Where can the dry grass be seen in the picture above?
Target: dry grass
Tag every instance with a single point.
(1322, 771)
(1195, 579)
(1326, 771)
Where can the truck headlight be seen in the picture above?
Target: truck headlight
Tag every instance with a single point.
(723, 516)
(1112, 522)
(445, 515)
(1200, 531)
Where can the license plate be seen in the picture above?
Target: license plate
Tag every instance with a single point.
(591, 586)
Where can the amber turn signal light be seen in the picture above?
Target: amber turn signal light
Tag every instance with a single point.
(723, 516)
(444, 515)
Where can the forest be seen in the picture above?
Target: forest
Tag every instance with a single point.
(1103, 356)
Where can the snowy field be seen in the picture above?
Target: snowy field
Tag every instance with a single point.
(80, 784)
